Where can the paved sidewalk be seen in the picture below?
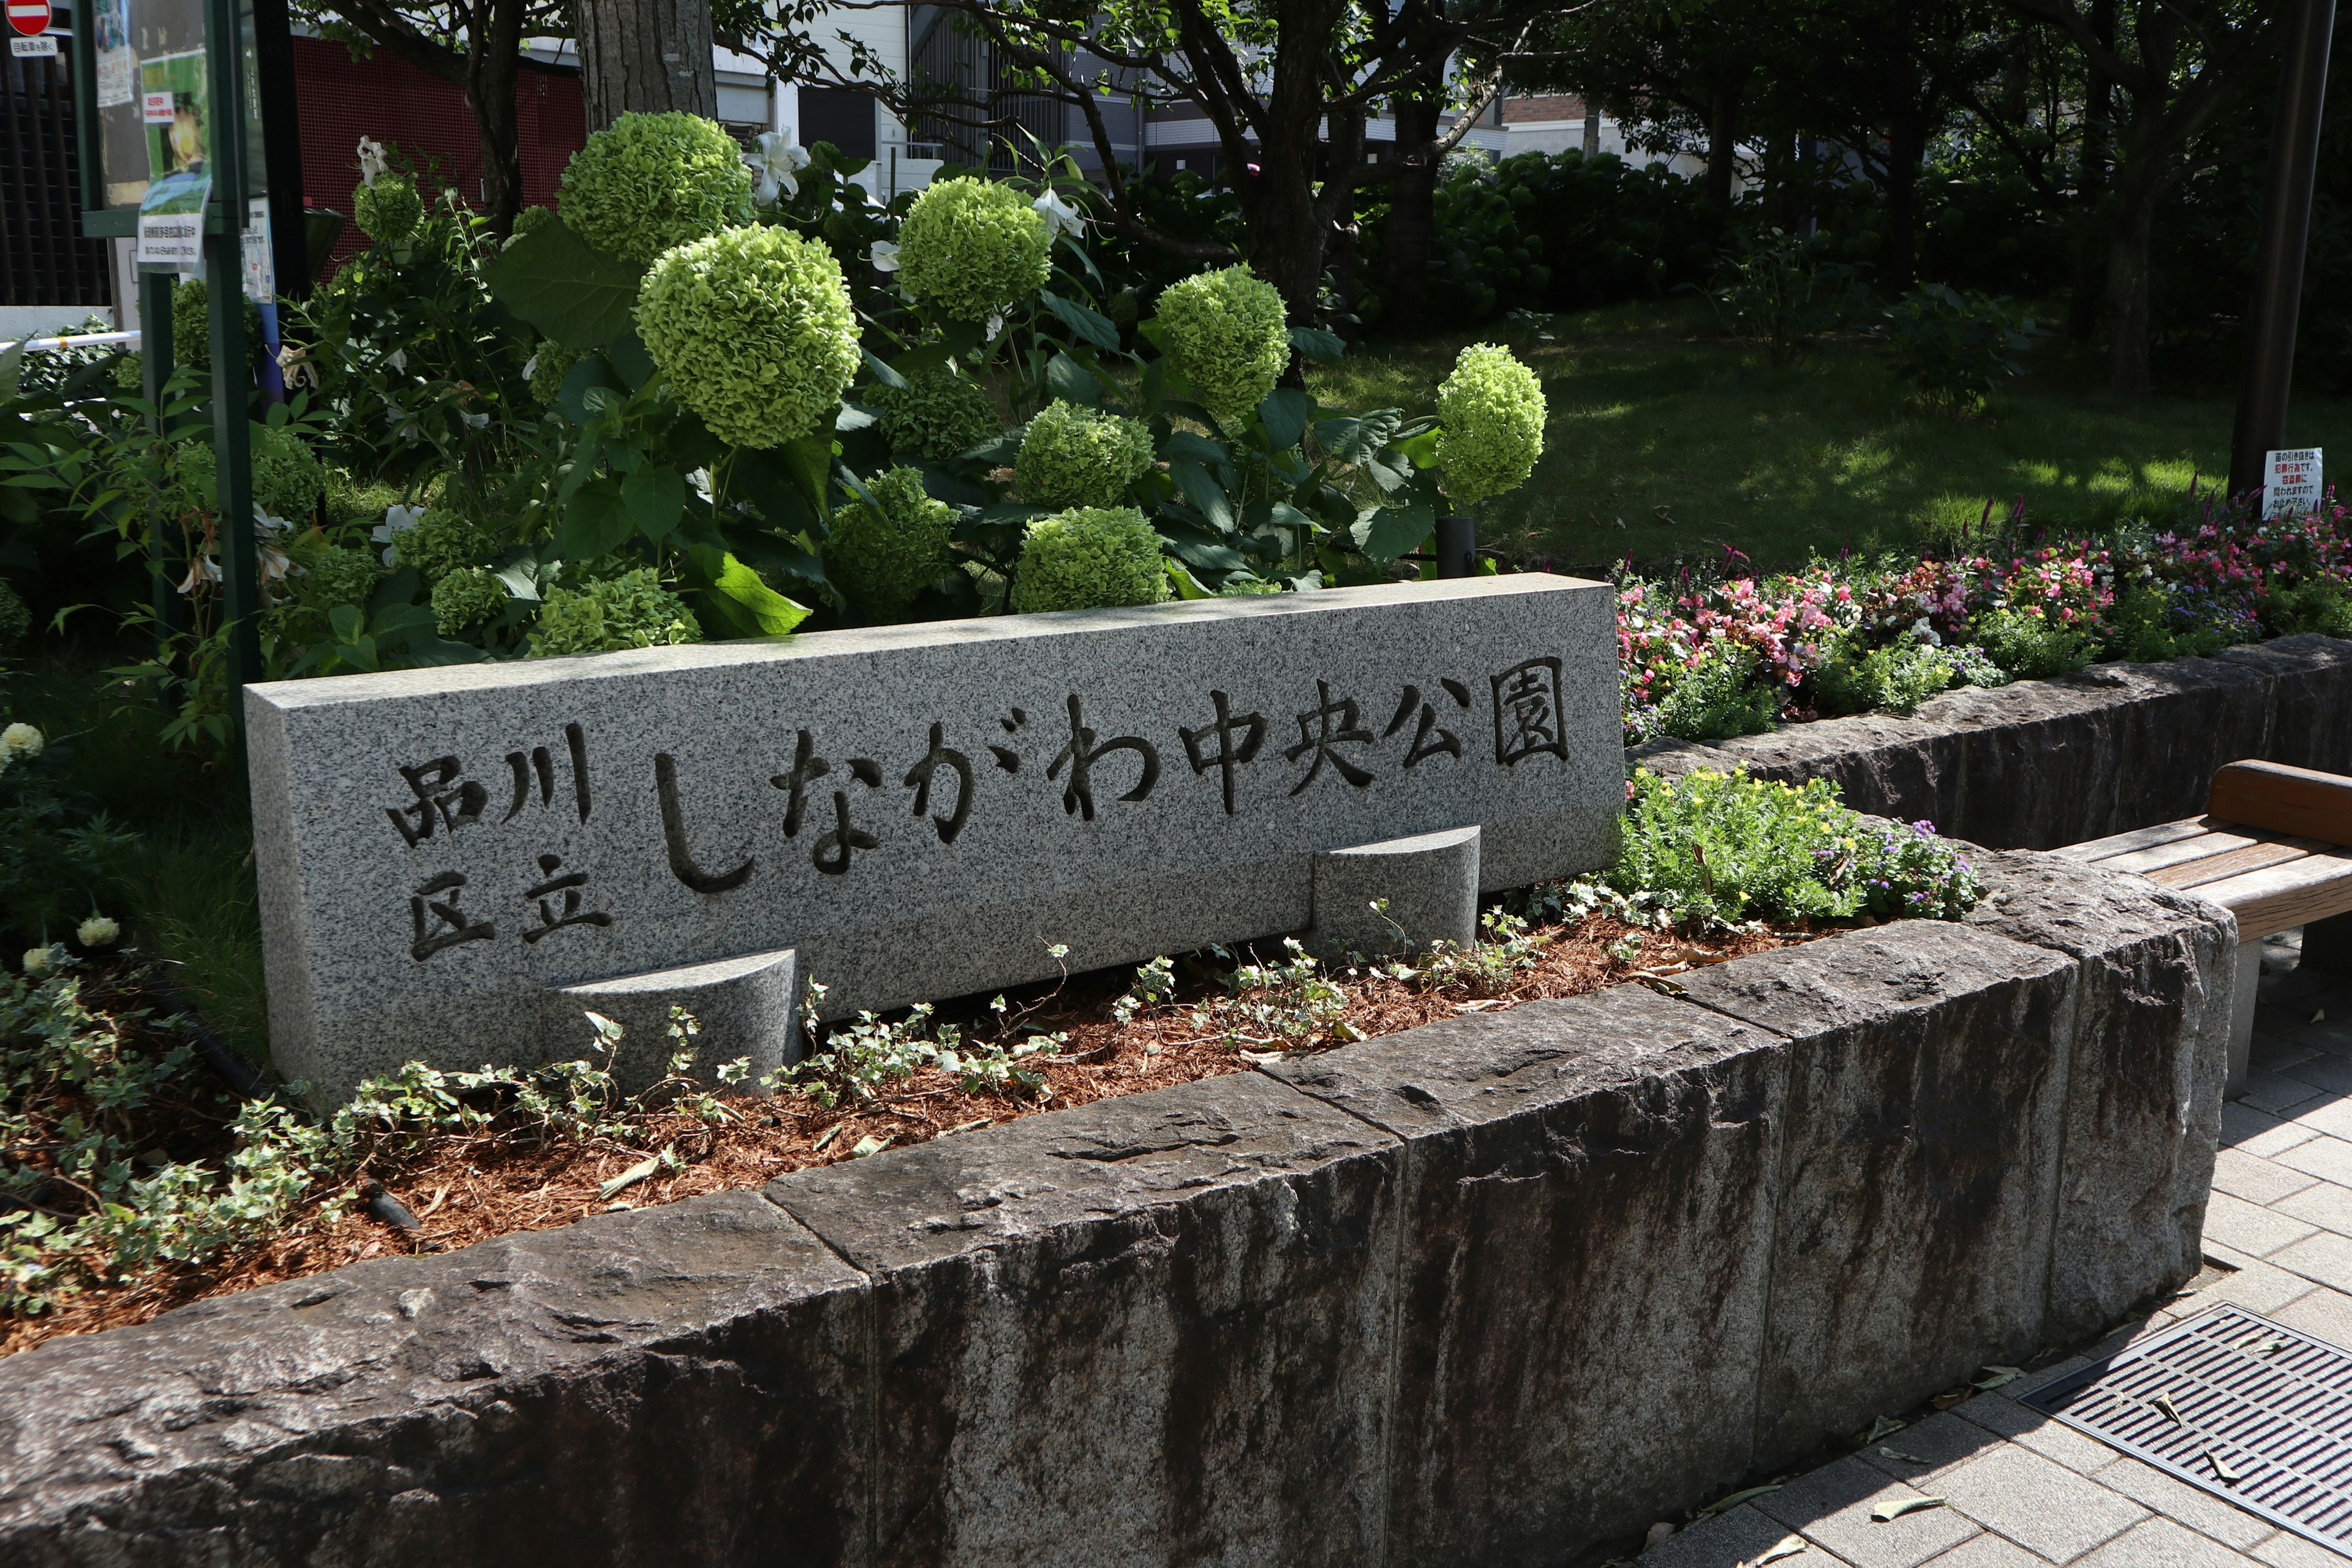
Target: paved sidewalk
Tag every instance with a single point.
(2023, 1490)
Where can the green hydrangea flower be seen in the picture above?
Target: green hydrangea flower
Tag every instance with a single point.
(647, 182)
(1078, 457)
(939, 416)
(633, 610)
(465, 598)
(972, 248)
(389, 210)
(753, 328)
(446, 539)
(1228, 332)
(549, 363)
(15, 620)
(1089, 558)
(351, 501)
(288, 477)
(192, 326)
(528, 220)
(1490, 414)
(338, 576)
(130, 373)
(883, 558)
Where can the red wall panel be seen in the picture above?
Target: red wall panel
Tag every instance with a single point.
(339, 99)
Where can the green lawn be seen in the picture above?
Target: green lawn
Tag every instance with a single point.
(1671, 441)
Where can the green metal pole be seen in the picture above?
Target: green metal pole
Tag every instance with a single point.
(232, 383)
(166, 559)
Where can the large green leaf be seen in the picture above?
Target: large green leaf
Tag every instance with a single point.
(1071, 382)
(1351, 438)
(1385, 532)
(595, 524)
(654, 497)
(1090, 326)
(589, 389)
(576, 294)
(773, 614)
(1205, 495)
(1318, 344)
(1284, 414)
(1197, 547)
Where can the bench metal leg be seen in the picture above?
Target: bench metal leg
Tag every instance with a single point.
(2242, 1016)
(2327, 945)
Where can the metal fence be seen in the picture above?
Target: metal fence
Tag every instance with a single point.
(43, 259)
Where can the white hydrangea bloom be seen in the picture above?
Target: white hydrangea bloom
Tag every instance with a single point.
(777, 160)
(21, 740)
(37, 959)
(98, 932)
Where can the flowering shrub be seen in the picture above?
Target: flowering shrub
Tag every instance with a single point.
(936, 415)
(467, 597)
(1490, 415)
(972, 248)
(444, 539)
(1078, 457)
(633, 610)
(1090, 558)
(57, 853)
(1712, 849)
(883, 555)
(1840, 637)
(1227, 332)
(754, 331)
(288, 477)
(647, 182)
(387, 208)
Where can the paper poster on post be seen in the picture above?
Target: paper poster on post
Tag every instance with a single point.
(261, 266)
(172, 102)
(118, 65)
(2292, 485)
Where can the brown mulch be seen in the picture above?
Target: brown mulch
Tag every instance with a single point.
(469, 1189)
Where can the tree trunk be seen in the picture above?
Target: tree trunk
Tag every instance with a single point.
(491, 72)
(2098, 113)
(1905, 148)
(1722, 144)
(650, 55)
(1404, 245)
(2128, 235)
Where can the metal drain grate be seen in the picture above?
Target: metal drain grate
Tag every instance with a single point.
(2264, 1415)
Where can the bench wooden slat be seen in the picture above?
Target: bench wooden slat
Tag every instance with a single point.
(2205, 845)
(2099, 850)
(2220, 867)
(2276, 798)
(2280, 898)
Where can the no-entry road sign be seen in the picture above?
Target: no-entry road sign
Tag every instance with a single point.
(30, 17)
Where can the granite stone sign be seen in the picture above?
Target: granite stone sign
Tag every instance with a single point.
(450, 859)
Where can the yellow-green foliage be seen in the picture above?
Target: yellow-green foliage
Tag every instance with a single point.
(881, 557)
(446, 539)
(389, 210)
(467, 597)
(1078, 457)
(288, 477)
(972, 248)
(1490, 414)
(939, 416)
(192, 326)
(549, 363)
(753, 329)
(1089, 558)
(1227, 332)
(527, 219)
(336, 576)
(633, 610)
(649, 182)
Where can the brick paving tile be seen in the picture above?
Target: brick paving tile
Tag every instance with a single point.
(2329, 1113)
(2257, 1286)
(2160, 1544)
(2325, 1256)
(1831, 1509)
(2325, 1070)
(2049, 1439)
(2177, 1501)
(1728, 1540)
(2329, 1159)
(1941, 1440)
(2270, 1054)
(2049, 1510)
(2327, 1313)
(2323, 1204)
(2288, 1549)
(2258, 1132)
(2270, 1089)
(2252, 1229)
(1986, 1550)
(2257, 1181)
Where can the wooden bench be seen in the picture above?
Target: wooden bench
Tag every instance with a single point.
(2274, 848)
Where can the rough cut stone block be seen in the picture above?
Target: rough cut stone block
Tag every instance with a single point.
(920, 811)
(1882, 763)
(2190, 717)
(747, 1009)
(1926, 1093)
(1426, 885)
(2151, 1034)
(1153, 1329)
(2311, 699)
(1588, 1206)
(686, 1384)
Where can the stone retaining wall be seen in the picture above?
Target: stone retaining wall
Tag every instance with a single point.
(2043, 764)
(1490, 1292)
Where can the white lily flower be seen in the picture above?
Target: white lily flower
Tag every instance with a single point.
(778, 161)
(996, 325)
(397, 521)
(475, 421)
(203, 569)
(264, 525)
(885, 256)
(397, 359)
(700, 480)
(372, 161)
(1060, 216)
(530, 367)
